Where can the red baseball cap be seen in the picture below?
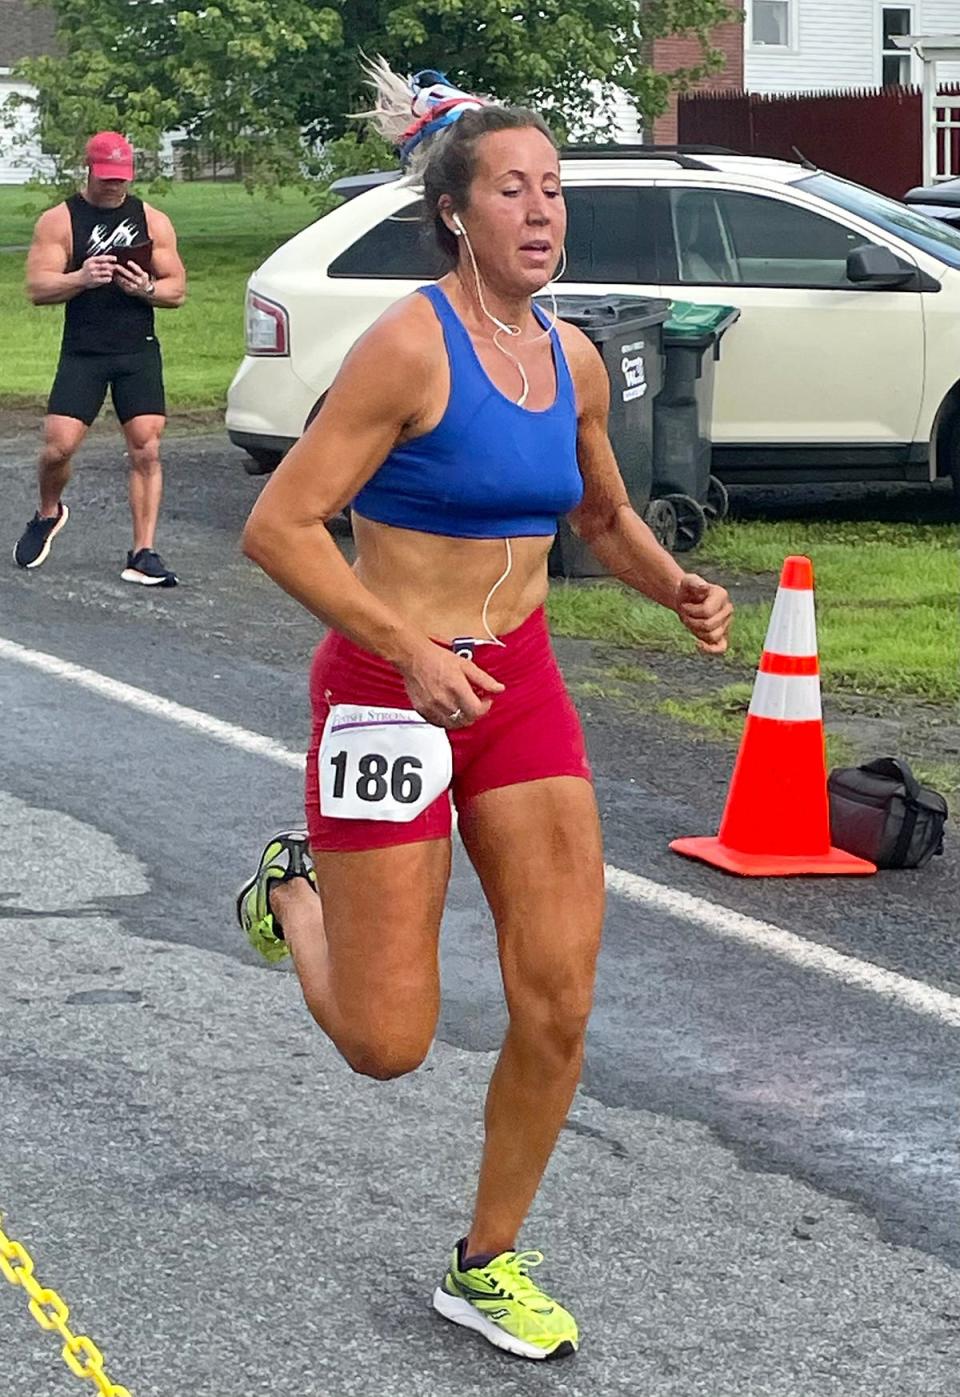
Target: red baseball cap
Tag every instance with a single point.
(110, 156)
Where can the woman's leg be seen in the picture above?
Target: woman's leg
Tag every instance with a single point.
(537, 850)
(366, 950)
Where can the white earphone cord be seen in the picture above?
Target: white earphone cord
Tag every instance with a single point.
(512, 330)
(495, 640)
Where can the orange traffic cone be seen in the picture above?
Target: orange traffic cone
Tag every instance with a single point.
(777, 817)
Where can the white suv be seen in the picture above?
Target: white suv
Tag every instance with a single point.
(845, 363)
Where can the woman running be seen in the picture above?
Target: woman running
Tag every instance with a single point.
(461, 427)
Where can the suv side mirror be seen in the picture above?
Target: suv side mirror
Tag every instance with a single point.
(871, 265)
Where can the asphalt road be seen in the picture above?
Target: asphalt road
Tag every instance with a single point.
(757, 1189)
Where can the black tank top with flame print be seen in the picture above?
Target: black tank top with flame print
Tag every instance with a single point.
(105, 320)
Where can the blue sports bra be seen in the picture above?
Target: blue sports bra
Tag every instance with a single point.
(490, 468)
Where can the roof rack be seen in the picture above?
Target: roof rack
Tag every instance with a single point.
(684, 148)
(683, 156)
(352, 185)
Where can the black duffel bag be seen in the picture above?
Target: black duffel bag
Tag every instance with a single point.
(881, 812)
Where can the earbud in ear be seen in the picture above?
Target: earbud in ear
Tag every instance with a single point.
(459, 229)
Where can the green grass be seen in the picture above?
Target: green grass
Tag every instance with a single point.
(632, 674)
(886, 603)
(198, 209)
(720, 714)
(202, 341)
(723, 714)
(224, 234)
(886, 598)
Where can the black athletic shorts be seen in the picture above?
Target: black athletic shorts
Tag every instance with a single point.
(135, 382)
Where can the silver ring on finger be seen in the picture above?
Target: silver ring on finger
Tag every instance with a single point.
(455, 716)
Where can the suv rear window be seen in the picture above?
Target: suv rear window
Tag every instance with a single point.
(610, 238)
(401, 248)
(611, 233)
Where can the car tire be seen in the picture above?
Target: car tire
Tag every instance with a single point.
(314, 410)
(261, 461)
(341, 525)
(949, 442)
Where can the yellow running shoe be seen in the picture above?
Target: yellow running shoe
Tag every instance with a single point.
(501, 1302)
(286, 856)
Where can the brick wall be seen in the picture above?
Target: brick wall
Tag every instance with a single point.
(675, 52)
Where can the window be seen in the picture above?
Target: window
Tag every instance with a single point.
(611, 234)
(896, 20)
(750, 240)
(610, 238)
(771, 24)
(929, 234)
(402, 246)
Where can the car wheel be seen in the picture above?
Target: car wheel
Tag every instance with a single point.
(314, 410)
(691, 522)
(948, 459)
(661, 518)
(261, 462)
(341, 525)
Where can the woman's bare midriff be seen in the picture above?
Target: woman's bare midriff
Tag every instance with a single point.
(439, 584)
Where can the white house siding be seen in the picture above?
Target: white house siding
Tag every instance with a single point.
(17, 162)
(838, 45)
(940, 17)
(627, 121)
(834, 46)
(626, 127)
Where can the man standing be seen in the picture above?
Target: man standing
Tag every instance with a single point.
(111, 258)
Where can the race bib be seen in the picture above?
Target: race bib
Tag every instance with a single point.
(381, 763)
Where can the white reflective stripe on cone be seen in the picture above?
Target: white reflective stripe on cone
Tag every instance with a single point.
(793, 697)
(793, 623)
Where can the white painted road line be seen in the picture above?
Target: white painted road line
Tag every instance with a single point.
(808, 955)
(118, 692)
(713, 917)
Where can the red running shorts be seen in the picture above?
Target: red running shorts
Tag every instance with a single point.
(532, 731)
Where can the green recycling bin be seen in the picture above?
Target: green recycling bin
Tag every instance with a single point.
(627, 332)
(683, 417)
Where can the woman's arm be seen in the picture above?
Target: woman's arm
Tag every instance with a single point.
(379, 395)
(609, 525)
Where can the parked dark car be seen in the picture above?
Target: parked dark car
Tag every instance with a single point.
(940, 201)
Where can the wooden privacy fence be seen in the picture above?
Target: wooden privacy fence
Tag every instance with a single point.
(873, 136)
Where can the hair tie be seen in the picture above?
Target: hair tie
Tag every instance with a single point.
(428, 97)
(435, 103)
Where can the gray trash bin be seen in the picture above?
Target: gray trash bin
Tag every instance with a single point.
(683, 418)
(627, 333)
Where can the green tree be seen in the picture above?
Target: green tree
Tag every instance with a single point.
(264, 83)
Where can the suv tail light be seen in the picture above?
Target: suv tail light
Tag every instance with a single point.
(268, 326)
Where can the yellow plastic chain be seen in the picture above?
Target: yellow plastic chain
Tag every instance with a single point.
(80, 1354)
